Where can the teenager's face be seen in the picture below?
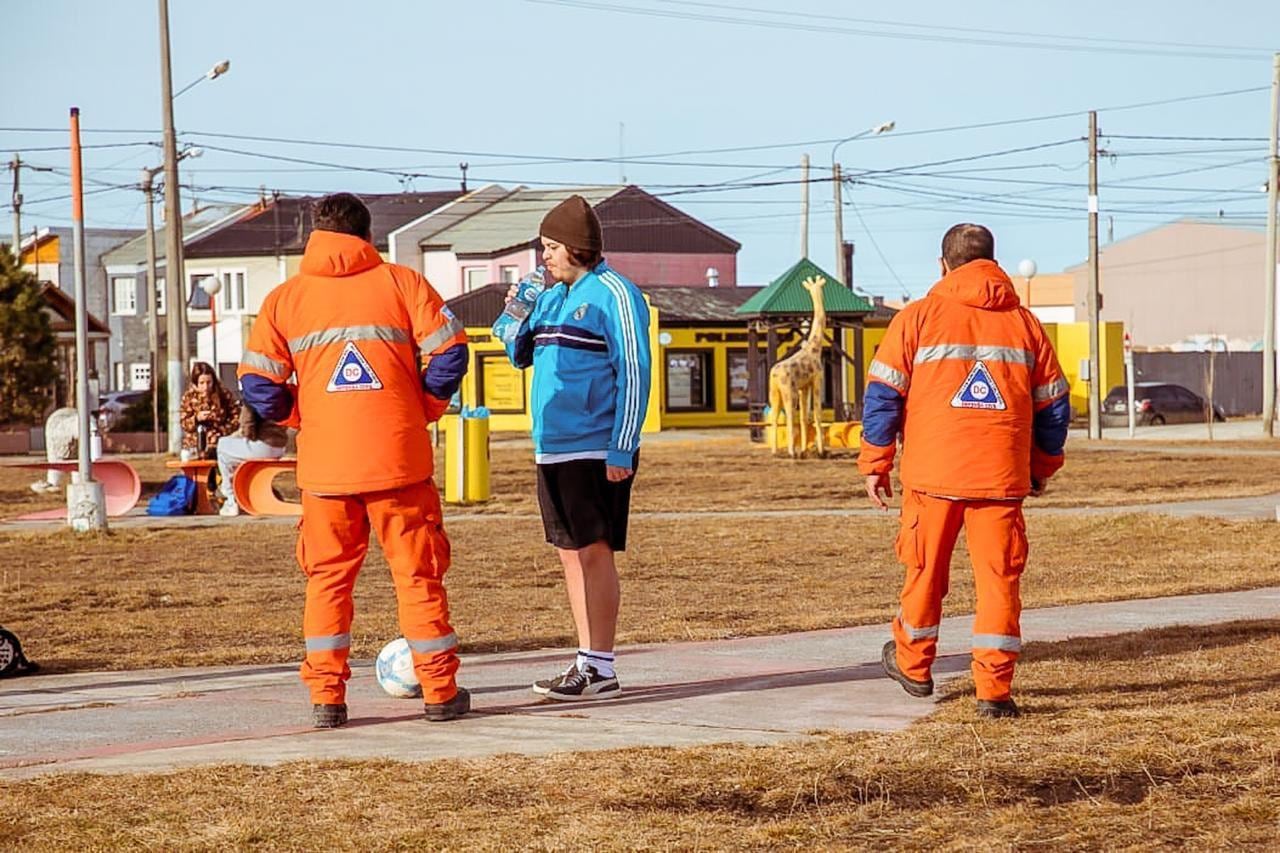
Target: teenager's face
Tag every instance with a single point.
(559, 262)
(205, 384)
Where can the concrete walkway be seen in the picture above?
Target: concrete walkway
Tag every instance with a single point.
(756, 690)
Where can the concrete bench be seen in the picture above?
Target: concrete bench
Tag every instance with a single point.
(197, 470)
(121, 486)
(252, 484)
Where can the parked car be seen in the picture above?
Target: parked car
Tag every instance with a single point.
(1156, 403)
(112, 405)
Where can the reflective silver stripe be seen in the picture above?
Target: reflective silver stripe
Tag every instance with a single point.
(1054, 389)
(969, 352)
(258, 361)
(1001, 642)
(338, 334)
(897, 378)
(439, 644)
(928, 633)
(329, 643)
(439, 336)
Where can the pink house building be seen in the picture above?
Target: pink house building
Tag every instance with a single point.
(491, 235)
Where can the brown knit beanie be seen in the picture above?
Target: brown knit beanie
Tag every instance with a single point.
(573, 223)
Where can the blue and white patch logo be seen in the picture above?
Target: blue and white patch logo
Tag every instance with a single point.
(353, 373)
(979, 391)
(580, 311)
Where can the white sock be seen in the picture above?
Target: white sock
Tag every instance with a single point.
(601, 662)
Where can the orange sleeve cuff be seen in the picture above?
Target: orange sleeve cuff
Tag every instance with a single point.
(435, 408)
(1044, 466)
(873, 459)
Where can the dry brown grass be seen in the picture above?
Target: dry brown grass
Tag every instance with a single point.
(1164, 739)
(136, 599)
(729, 474)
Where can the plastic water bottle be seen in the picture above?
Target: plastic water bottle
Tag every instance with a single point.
(527, 292)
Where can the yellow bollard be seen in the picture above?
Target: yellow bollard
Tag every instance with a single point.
(475, 440)
(455, 460)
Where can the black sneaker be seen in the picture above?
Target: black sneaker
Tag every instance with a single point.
(889, 660)
(543, 686)
(439, 712)
(328, 716)
(987, 709)
(579, 685)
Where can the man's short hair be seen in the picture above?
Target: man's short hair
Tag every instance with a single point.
(344, 213)
(967, 242)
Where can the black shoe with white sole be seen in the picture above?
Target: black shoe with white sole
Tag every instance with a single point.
(889, 660)
(579, 685)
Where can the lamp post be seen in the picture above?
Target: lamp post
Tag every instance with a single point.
(212, 286)
(176, 325)
(153, 281)
(1027, 269)
(837, 180)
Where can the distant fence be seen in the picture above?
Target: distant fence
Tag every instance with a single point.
(1237, 376)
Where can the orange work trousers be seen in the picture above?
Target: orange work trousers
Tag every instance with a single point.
(997, 538)
(332, 542)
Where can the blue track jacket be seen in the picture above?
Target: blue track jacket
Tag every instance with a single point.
(589, 347)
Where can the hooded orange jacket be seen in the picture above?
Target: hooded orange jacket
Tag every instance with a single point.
(967, 375)
(376, 354)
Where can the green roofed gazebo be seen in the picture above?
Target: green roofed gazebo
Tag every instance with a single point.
(781, 312)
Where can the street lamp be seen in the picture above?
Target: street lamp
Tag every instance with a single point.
(836, 180)
(212, 74)
(179, 346)
(212, 285)
(1027, 269)
(153, 332)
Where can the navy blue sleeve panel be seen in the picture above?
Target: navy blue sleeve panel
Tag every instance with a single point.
(882, 414)
(1050, 426)
(445, 370)
(270, 400)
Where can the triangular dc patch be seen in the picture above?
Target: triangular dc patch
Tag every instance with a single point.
(979, 391)
(353, 373)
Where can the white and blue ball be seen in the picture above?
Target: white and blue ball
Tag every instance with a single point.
(394, 670)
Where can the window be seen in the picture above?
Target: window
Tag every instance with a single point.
(140, 378)
(737, 379)
(124, 295)
(474, 278)
(689, 385)
(161, 296)
(196, 296)
(232, 295)
(508, 274)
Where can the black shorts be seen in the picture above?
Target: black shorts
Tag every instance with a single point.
(581, 507)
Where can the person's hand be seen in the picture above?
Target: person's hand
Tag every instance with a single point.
(1038, 487)
(511, 293)
(877, 485)
(204, 415)
(617, 474)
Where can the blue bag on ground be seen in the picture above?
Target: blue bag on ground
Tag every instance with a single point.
(176, 497)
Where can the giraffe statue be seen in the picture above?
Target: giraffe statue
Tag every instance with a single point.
(795, 382)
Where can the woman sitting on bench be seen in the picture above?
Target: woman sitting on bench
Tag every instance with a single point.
(208, 412)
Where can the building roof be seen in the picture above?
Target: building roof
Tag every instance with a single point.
(631, 220)
(700, 305)
(785, 296)
(62, 310)
(194, 224)
(282, 225)
(712, 306)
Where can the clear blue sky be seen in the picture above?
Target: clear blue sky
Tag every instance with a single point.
(506, 80)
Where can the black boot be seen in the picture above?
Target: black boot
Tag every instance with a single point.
(438, 712)
(889, 660)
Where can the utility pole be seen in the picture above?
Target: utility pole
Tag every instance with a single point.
(86, 505)
(1269, 321)
(804, 206)
(153, 324)
(175, 276)
(1095, 380)
(16, 165)
(835, 182)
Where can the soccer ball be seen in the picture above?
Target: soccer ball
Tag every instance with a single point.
(394, 670)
